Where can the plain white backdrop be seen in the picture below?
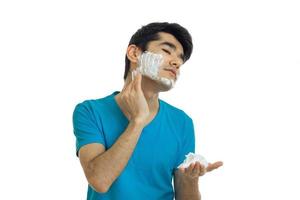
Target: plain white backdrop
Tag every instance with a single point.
(241, 87)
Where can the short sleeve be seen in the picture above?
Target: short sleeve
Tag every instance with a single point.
(188, 141)
(85, 127)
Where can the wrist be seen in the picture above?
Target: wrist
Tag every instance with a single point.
(137, 123)
(139, 120)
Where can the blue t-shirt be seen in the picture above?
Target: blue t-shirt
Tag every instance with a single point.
(161, 147)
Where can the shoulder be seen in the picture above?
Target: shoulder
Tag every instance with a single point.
(93, 105)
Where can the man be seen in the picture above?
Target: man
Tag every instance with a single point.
(130, 143)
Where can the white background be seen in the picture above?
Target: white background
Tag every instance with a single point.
(241, 87)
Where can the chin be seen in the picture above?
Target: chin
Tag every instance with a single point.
(165, 84)
(164, 88)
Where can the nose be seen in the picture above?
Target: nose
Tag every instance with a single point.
(175, 63)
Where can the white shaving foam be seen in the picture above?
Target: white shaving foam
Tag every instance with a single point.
(192, 158)
(149, 64)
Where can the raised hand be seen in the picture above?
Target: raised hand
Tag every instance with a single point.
(132, 100)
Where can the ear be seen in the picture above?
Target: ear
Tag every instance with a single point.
(133, 53)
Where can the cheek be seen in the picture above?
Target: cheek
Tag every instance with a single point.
(164, 63)
(161, 72)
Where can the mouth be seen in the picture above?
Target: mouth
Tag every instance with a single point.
(172, 72)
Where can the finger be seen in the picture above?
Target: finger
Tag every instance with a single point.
(127, 82)
(190, 168)
(132, 75)
(197, 169)
(202, 170)
(182, 169)
(138, 81)
(126, 88)
(130, 81)
(214, 166)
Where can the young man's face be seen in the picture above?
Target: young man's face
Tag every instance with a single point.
(172, 52)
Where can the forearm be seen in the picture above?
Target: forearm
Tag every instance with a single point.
(188, 190)
(106, 167)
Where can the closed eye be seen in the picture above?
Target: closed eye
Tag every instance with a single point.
(168, 52)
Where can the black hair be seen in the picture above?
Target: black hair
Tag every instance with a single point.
(149, 33)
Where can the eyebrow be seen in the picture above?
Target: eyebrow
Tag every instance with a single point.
(172, 46)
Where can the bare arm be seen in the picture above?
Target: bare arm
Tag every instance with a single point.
(104, 168)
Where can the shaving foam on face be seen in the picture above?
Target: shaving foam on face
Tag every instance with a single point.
(149, 65)
(192, 158)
